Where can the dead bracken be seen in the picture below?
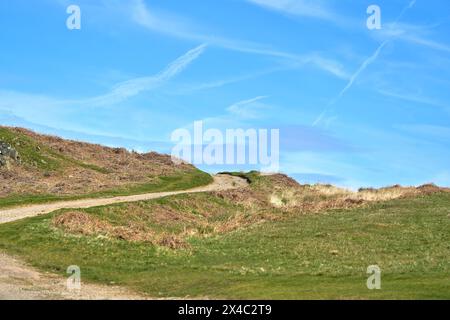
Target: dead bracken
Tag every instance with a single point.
(52, 165)
(172, 221)
(81, 223)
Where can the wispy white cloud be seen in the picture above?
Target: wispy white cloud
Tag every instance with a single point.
(427, 43)
(361, 68)
(193, 87)
(248, 109)
(414, 34)
(367, 62)
(162, 21)
(242, 114)
(36, 108)
(413, 97)
(329, 65)
(216, 84)
(306, 8)
(176, 26)
(133, 87)
(373, 57)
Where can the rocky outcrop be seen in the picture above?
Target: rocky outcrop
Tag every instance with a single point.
(8, 154)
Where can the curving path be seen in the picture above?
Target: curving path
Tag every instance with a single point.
(221, 182)
(19, 281)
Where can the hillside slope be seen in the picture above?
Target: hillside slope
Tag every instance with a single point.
(270, 238)
(245, 243)
(51, 168)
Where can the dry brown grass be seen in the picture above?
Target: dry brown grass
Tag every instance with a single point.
(170, 222)
(282, 192)
(81, 223)
(119, 167)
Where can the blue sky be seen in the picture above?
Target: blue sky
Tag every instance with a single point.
(355, 107)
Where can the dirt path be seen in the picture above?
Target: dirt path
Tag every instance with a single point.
(19, 281)
(221, 182)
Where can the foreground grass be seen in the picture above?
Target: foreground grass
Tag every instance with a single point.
(181, 181)
(300, 257)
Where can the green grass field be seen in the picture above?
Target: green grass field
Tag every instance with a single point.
(321, 256)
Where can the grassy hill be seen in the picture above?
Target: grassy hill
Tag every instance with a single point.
(53, 169)
(275, 239)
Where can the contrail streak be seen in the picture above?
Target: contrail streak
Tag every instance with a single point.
(363, 66)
